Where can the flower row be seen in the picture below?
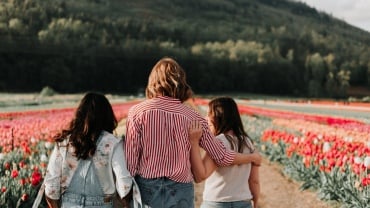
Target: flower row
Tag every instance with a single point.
(27, 130)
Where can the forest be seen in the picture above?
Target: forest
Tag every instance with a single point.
(275, 47)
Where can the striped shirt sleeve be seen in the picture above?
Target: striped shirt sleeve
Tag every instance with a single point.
(132, 144)
(216, 150)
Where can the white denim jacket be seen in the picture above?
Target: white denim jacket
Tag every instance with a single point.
(109, 157)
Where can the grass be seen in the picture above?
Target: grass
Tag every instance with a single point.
(33, 101)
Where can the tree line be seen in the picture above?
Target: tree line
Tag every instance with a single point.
(103, 45)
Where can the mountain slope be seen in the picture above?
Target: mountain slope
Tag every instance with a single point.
(239, 16)
(281, 47)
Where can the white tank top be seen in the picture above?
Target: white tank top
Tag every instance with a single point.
(227, 184)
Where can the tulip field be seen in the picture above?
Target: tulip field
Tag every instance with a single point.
(328, 154)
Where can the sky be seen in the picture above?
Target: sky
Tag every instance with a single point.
(354, 12)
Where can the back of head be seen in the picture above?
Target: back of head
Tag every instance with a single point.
(224, 115)
(167, 78)
(93, 115)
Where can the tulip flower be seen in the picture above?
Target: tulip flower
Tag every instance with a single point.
(36, 178)
(326, 147)
(14, 173)
(7, 166)
(367, 162)
(24, 197)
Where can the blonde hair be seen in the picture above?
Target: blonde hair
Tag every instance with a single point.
(167, 78)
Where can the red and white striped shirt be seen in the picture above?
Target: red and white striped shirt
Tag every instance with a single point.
(157, 140)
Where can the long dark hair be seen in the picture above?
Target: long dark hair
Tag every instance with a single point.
(93, 115)
(168, 78)
(224, 115)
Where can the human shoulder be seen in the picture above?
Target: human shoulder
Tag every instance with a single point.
(109, 138)
(138, 105)
(250, 144)
(141, 107)
(222, 138)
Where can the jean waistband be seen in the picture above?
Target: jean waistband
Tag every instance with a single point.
(88, 200)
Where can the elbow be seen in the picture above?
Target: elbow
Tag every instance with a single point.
(221, 163)
(199, 179)
(196, 180)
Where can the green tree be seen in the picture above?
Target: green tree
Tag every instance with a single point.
(315, 74)
(343, 78)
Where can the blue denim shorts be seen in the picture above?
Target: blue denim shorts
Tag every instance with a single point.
(165, 193)
(234, 204)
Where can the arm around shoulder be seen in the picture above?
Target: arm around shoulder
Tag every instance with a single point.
(254, 158)
(201, 167)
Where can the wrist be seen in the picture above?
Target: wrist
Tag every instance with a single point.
(194, 143)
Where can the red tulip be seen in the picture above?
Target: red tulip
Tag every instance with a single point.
(23, 181)
(14, 173)
(366, 181)
(22, 164)
(24, 197)
(7, 166)
(36, 178)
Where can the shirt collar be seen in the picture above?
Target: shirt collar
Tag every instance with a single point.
(169, 99)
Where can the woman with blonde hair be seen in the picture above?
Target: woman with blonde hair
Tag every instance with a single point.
(157, 140)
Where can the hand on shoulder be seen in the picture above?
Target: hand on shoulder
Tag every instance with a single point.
(195, 132)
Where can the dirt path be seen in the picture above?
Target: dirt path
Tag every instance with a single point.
(277, 191)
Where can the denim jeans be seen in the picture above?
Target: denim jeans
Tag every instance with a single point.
(234, 204)
(165, 193)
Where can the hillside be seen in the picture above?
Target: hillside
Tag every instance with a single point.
(235, 14)
(281, 47)
(231, 19)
